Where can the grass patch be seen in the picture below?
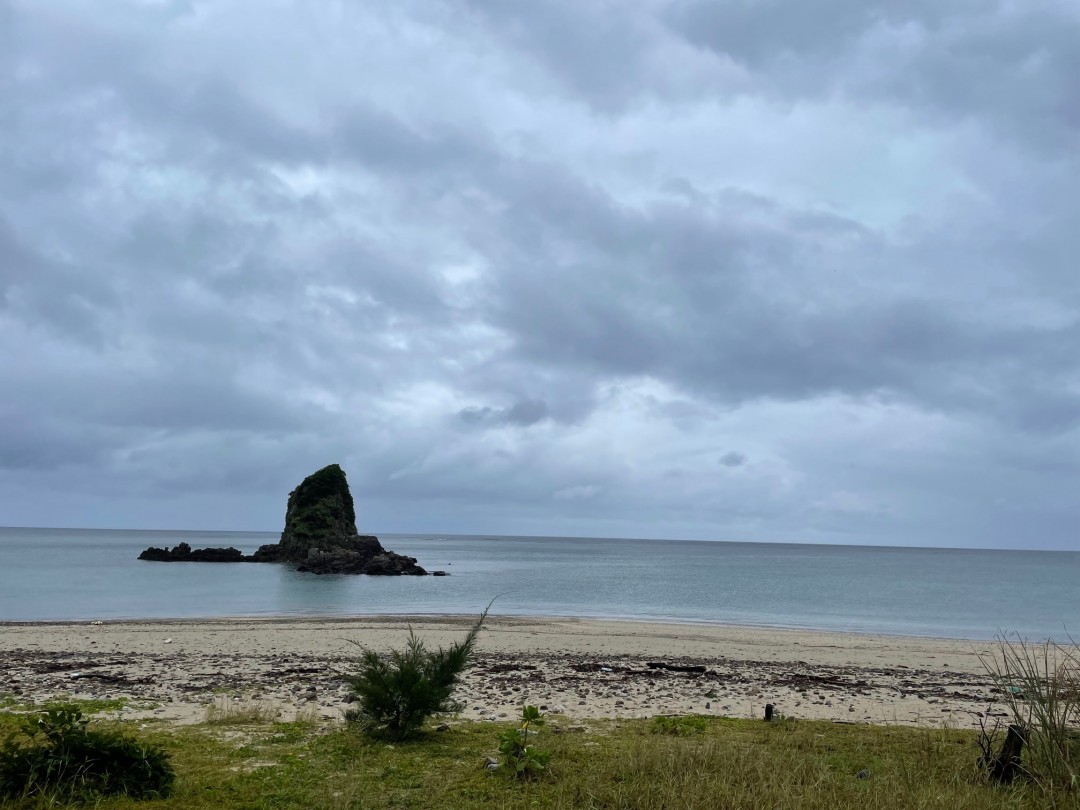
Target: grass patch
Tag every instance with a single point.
(679, 725)
(87, 706)
(94, 705)
(729, 763)
(227, 712)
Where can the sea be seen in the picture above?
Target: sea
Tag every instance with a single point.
(91, 574)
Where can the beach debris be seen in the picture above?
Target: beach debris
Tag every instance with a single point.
(443, 727)
(167, 641)
(512, 666)
(699, 668)
(491, 764)
(768, 712)
(863, 774)
(1005, 767)
(591, 666)
(97, 622)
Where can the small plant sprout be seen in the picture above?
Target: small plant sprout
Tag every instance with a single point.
(523, 760)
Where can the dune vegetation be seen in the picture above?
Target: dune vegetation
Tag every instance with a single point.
(716, 763)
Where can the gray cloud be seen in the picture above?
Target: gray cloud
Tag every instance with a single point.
(522, 413)
(1013, 66)
(761, 33)
(733, 459)
(539, 269)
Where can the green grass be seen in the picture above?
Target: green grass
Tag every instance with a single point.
(680, 725)
(88, 706)
(624, 764)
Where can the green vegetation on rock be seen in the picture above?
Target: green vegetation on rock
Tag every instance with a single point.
(320, 509)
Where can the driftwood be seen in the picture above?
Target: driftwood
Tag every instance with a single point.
(1005, 767)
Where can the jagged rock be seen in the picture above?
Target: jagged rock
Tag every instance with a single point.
(184, 553)
(361, 554)
(271, 552)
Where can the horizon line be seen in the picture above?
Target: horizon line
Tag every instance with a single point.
(500, 535)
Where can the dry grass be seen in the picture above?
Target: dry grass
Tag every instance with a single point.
(225, 711)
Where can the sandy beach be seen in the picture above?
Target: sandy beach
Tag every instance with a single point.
(578, 668)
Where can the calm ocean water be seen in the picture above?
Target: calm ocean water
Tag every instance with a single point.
(59, 574)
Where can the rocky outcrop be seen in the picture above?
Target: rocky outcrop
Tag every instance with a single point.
(360, 554)
(319, 536)
(184, 553)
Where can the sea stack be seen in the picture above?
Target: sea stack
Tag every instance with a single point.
(320, 508)
(320, 532)
(319, 536)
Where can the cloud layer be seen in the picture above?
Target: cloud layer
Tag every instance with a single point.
(673, 269)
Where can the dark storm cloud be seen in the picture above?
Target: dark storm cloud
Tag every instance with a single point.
(51, 293)
(1014, 65)
(715, 299)
(540, 268)
(31, 442)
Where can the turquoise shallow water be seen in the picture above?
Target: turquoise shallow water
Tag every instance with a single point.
(62, 574)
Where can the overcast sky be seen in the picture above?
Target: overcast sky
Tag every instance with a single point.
(716, 269)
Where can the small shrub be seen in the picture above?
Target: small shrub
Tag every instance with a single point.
(56, 755)
(398, 692)
(521, 759)
(680, 725)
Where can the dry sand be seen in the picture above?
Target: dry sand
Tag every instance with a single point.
(580, 668)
